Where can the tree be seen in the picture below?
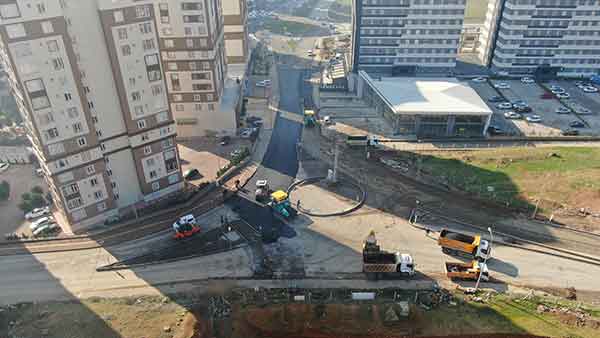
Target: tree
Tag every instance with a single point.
(37, 190)
(25, 205)
(37, 201)
(4, 191)
(26, 196)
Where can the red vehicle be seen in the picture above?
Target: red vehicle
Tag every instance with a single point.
(185, 227)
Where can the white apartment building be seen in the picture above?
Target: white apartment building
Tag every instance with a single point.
(101, 84)
(406, 37)
(562, 36)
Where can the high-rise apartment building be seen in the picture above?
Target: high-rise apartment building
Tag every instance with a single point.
(235, 16)
(521, 35)
(104, 86)
(406, 36)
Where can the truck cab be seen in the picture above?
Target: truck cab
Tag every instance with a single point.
(405, 264)
(484, 250)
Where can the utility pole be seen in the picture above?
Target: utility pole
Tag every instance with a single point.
(336, 156)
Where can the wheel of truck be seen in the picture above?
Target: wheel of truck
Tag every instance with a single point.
(446, 251)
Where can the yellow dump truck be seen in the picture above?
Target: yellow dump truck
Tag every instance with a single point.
(454, 243)
(467, 271)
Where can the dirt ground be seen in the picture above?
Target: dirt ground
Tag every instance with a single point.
(21, 179)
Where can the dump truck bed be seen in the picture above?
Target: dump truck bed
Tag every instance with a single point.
(379, 267)
(462, 270)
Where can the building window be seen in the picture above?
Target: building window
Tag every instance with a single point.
(15, 31)
(9, 11)
(191, 6)
(148, 44)
(141, 124)
(98, 194)
(157, 90)
(74, 203)
(189, 43)
(102, 146)
(201, 86)
(162, 117)
(188, 30)
(94, 182)
(77, 127)
(99, 133)
(211, 107)
(142, 11)
(147, 151)
(37, 94)
(175, 84)
(167, 143)
(201, 76)
(52, 46)
(51, 133)
(68, 97)
(155, 186)
(169, 43)
(146, 28)
(179, 107)
(177, 97)
(126, 50)
(153, 174)
(132, 81)
(118, 15)
(152, 67)
(116, 196)
(138, 110)
(122, 32)
(81, 141)
(136, 96)
(197, 97)
(150, 162)
(90, 169)
(198, 107)
(172, 65)
(47, 27)
(145, 137)
(58, 64)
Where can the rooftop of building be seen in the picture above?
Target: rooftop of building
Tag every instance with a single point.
(433, 96)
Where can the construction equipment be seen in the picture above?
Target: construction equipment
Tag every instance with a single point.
(378, 263)
(185, 226)
(262, 192)
(467, 271)
(454, 243)
(280, 203)
(309, 118)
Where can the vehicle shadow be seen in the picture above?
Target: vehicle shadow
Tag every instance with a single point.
(503, 267)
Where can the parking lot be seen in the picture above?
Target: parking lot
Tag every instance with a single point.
(580, 99)
(552, 123)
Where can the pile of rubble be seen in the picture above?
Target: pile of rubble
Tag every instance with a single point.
(432, 299)
(574, 316)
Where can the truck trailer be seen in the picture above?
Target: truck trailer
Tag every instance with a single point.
(467, 271)
(454, 243)
(380, 263)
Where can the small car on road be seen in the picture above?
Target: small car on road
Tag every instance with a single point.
(534, 119)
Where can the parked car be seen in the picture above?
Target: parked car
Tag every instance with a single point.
(563, 110)
(557, 90)
(590, 89)
(502, 85)
(505, 105)
(569, 132)
(563, 95)
(534, 118)
(263, 83)
(246, 133)
(38, 223)
(512, 115)
(523, 109)
(37, 213)
(4, 167)
(576, 124)
(494, 130)
(527, 80)
(496, 99)
(479, 79)
(584, 111)
(310, 52)
(225, 140)
(192, 174)
(46, 230)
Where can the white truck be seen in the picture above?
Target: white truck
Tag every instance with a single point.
(379, 263)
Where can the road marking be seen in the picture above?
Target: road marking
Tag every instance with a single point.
(291, 116)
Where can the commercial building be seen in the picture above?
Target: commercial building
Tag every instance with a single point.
(406, 37)
(554, 36)
(426, 107)
(98, 83)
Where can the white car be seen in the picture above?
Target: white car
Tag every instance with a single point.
(590, 89)
(563, 95)
(479, 79)
(512, 115)
(187, 219)
(4, 167)
(38, 223)
(584, 111)
(534, 118)
(504, 105)
(45, 229)
(37, 212)
(563, 110)
(557, 90)
(527, 80)
(502, 85)
(310, 52)
(263, 83)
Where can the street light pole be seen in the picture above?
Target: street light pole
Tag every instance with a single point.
(486, 258)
